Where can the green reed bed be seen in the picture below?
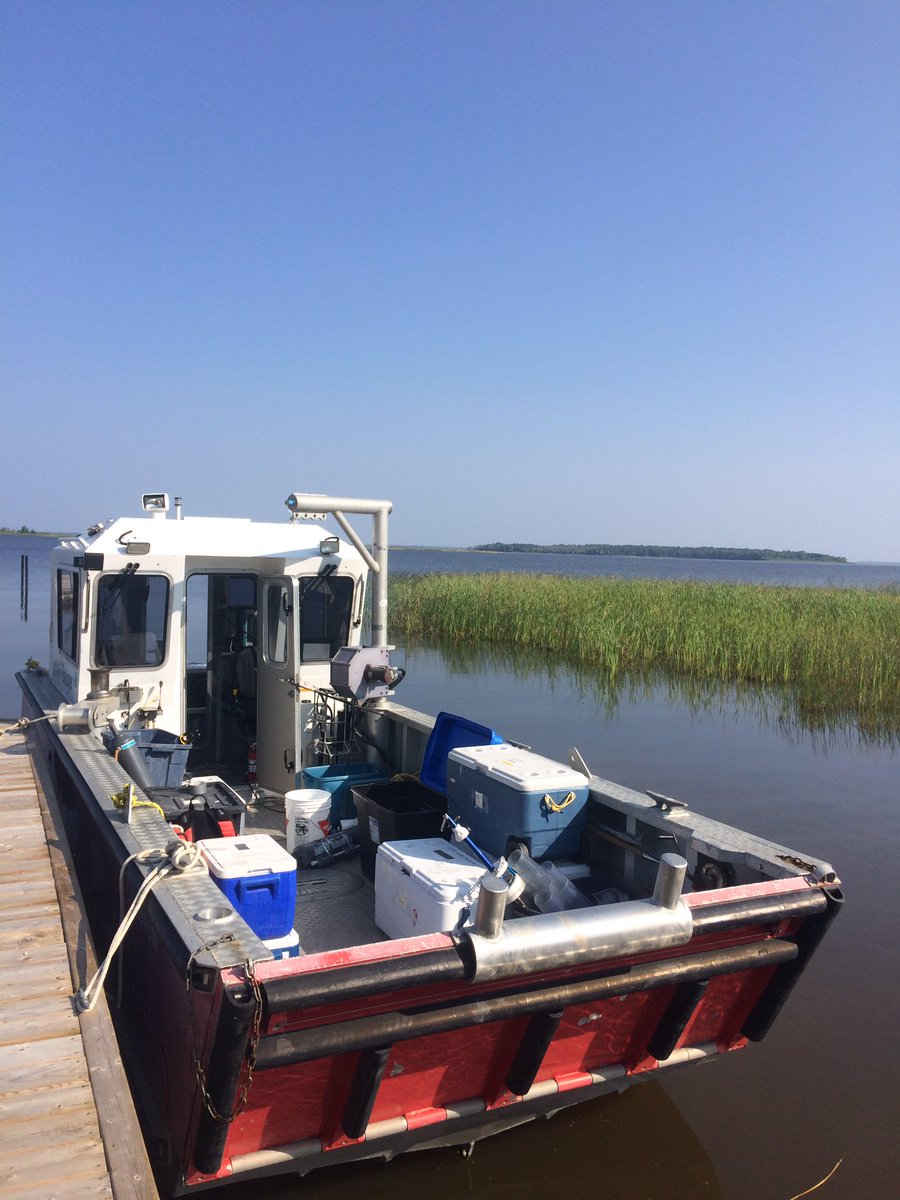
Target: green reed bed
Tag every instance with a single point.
(836, 648)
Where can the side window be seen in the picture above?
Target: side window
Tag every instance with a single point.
(276, 623)
(132, 611)
(324, 616)
(67, 588)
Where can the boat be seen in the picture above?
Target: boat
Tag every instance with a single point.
(467, 935)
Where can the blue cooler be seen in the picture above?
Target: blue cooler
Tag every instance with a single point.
(259, 877)
(506, 794)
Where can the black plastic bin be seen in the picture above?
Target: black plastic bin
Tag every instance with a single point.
(204, 808)
(396, 811)
(152, 757)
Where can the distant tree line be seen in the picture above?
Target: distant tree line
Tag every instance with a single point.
(24, 531)
(729, 552)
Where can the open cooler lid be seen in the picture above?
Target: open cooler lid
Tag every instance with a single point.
(519, 768)
(449, 732)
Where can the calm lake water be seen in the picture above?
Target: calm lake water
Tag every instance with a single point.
(794, 574)
(767, 1122)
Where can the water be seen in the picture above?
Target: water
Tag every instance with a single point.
(22, 638)
(794, 574)
(773, 1119)
(768, 1121)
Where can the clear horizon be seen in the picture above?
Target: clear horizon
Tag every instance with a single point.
(535, 272)
(473, 547)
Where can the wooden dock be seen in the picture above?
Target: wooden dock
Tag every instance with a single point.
(67, 1124)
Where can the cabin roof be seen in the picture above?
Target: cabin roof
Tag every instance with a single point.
(212, 537)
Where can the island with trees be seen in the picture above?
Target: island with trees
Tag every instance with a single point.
(718, 552)
(24, 531)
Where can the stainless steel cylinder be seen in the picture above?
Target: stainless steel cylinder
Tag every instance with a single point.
(99, 684)
(669, 880)
(562, 939)
(491, 907)
(74, 718)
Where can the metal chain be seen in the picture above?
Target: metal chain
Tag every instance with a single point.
(252, 1045)
(225, 937)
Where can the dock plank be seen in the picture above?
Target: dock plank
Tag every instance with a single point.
(28, 932)
(43, 1017)
(38, 1105)
(28, 886)
(67, 1126)
(57, 1167)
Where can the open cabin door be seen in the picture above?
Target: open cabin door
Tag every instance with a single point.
(278, 714)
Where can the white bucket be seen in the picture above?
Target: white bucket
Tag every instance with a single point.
(306, 816)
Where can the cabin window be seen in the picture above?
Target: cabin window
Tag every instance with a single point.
(277, 615)
(67, 612)
(324, 616)
(131, 620)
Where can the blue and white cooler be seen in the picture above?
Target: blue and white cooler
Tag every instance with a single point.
(259, 877)
(505, 794)
(285, 947)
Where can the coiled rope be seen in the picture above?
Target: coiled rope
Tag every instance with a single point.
(177, 858)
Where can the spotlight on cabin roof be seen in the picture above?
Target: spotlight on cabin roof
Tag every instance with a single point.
(155, 503)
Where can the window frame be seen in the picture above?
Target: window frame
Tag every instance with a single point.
(163, 627)
(347, 584)
(67, 643)
(280, 627)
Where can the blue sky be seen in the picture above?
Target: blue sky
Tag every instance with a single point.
(543, 271)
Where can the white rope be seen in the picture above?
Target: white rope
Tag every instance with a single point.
(178, 857)
(25, 722)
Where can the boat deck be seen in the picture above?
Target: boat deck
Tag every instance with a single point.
(335, 903)
(67, 1128)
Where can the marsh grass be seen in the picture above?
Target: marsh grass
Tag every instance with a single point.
(835, 652)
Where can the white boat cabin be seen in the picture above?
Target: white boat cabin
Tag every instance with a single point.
(220, 629)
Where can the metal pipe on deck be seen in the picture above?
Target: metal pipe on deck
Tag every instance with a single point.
(564, 939)
(291, 992)
(738, 914)
(383, 1029)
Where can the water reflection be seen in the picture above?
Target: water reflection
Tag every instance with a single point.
(23, 587)
(630, 1147)
(812, 717)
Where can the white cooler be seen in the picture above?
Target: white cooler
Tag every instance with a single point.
(421, 885)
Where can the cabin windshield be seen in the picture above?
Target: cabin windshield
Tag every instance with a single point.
(324, 616)
(131, 620)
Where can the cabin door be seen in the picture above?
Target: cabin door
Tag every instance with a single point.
(279, 723)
